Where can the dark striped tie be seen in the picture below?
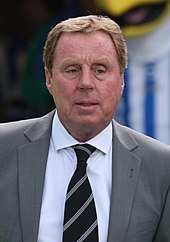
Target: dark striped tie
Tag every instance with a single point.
(80, 219)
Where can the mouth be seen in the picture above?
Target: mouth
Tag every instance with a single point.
(87, 104)
(90, 106)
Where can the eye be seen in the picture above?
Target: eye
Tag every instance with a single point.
(71, 71)
(99, 69)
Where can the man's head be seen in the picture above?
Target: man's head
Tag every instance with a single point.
(86, 24)
(85, 59)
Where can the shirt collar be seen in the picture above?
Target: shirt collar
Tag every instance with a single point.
(102, 141)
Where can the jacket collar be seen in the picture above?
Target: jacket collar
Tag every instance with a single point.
(32, 159)
(125, 174)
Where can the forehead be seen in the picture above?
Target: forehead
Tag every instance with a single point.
(80, 43)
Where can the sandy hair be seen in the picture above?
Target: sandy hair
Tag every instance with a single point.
(86, 24)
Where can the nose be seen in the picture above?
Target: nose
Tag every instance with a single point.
(85, 80)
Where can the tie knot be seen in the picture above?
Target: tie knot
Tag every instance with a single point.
(83, 152)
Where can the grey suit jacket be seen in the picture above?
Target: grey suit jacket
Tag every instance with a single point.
(140, 202)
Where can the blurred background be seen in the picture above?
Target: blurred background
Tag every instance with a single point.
(24, 25)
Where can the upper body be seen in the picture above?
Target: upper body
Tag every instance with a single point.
(86, 82)
(140, 202)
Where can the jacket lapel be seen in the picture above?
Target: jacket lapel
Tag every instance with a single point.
(32, 158)
(126, 169)
(32, 163)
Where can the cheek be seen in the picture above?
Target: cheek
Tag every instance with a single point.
(112, 95)
(57, 86)
(62, 93)
(113, 90)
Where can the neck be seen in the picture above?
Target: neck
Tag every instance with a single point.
(83, 137)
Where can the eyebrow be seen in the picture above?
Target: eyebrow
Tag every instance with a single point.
(101, 61)
(76, 60)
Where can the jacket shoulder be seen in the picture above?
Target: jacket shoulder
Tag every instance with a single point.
(14, 134)
(128, 136)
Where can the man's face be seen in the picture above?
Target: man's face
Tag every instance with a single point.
(85, 82)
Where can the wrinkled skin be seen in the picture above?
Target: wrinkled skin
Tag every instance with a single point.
(85, 82)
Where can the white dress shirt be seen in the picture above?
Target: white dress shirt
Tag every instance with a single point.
(61, 165)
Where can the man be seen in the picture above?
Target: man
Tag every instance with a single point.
(129, 173)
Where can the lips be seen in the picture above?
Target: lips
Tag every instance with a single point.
(86, 104)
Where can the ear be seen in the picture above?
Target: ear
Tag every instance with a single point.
(48, 78)
(123, 83)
